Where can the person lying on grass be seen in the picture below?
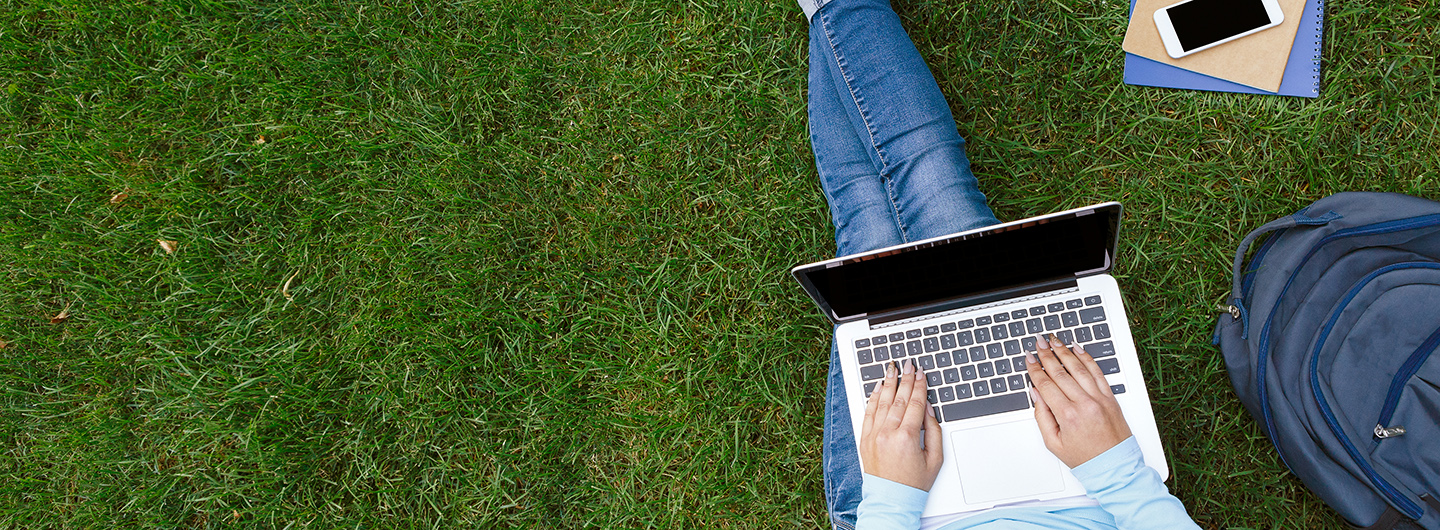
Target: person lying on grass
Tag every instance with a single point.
(893, 170)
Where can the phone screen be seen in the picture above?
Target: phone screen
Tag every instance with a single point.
(1199, 23)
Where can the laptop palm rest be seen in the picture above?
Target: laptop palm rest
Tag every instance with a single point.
(1005, 461)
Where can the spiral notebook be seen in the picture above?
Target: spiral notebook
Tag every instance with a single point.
(1302, 70)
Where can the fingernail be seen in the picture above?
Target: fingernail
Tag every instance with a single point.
(1055, 341)
(887, 370)
(1042, 343)
(1030, 358)
(930, 411)
(907, 368)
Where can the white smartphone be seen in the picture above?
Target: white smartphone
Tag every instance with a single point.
(1195, 25)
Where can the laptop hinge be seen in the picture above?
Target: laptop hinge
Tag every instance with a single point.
(979, 299)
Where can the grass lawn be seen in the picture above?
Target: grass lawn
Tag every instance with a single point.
(524, 264)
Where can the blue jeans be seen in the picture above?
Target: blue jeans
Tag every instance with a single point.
(892, 167)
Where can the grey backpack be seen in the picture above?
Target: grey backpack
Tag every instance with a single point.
(1330, 340)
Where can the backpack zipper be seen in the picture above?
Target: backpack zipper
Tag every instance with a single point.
(1397, 386)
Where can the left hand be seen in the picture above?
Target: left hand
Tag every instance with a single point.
(890, 438)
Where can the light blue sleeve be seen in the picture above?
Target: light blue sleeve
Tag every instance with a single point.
(886, 504)
(1130, 491)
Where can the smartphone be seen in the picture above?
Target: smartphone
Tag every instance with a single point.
(1195, 25)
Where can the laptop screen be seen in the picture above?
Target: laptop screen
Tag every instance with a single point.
(1036, 250)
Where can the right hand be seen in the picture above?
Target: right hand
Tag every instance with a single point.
(1078, 415)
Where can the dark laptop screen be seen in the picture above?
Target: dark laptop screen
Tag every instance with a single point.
(1046, 249)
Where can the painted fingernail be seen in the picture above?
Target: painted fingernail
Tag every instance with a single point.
(930, 411)
(1042, 344)
(1030, 358)
(1055, 341)
(906, 369)
(887, 371)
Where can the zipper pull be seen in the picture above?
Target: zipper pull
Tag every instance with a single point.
(1234, 311)
(1382, 432)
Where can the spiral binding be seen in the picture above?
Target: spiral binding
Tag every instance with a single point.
(1319, 43)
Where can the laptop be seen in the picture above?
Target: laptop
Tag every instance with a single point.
(966, 308)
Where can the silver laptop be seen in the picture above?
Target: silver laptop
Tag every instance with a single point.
(966, 308)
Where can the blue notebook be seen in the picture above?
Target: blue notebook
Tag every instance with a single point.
(1302, 70)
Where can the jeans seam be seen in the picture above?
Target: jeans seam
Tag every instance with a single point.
(869, 130)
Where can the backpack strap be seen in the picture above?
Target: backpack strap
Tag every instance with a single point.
(1236, 278)
(1392, 519)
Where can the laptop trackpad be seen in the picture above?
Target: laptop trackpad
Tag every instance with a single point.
(1006, 461)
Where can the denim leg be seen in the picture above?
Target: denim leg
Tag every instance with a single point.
(893, 169)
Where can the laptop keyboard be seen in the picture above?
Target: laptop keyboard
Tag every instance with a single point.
(974, 364)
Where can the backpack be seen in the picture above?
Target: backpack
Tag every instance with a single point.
(1329, 340)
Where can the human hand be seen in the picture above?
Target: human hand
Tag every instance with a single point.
(890, 438)
(1078, 415)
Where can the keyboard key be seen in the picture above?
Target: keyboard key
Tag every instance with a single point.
(977, 354)
(982, 335)
(995, 350)
(1052, 322)
(1017, 382)
(862, 343)
(1019, 363)
(947, 394)
(962, 391)
(981, 388)
(1109, 366)
(936, 411)
(865, 357)
(998, 332)
(882, 354)
(1092, 315)
(926, 363)
(1019, 314)
(964, 338)
(872, 372)
(1028, 343)
(1100, 349)
(914, 348)
(933, 379)
(897, 351)
(959, 357)
(1082, 334)
(947, 342)
(1037, 310)
(897, 337)
(1017, 328)
(1002, 317)
(934, 398)
(1102, 331)
(942, 359)
(869, 387)
(1117, 389)
(965, 324)
(1092, 300)
(1055, 307)
(952, 375)
(985, 407)
(986, 369)
(1069, 320)
(982, 321)
(1065, 336)
(1072, 304)
(1034, 326)
(1002, 367)
(931, 330)
(912, 334)
(997, 385)
(932, 344)
(1012, 347)
(947, 327)
(878, 340)
(967, 373)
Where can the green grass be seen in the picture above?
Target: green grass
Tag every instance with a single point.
(536, 252)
